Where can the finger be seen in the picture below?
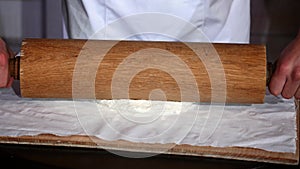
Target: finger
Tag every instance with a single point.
(3, 77)
(290, 88)
(277, 83)
(10, 82)
(297, 94)
(3, 70)
(2, 59)
(292, 83)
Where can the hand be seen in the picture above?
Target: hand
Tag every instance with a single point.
(5, 79)
(286, 78)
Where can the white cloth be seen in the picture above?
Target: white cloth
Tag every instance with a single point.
(220, 21)
(271, 126)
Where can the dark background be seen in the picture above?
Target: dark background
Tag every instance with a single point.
(274, 23)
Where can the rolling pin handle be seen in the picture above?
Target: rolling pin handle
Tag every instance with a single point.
(14, 67)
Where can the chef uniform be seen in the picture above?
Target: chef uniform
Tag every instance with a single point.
(219, 21)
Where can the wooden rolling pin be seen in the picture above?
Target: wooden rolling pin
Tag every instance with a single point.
(54, 68)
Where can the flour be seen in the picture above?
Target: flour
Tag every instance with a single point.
(270, 126)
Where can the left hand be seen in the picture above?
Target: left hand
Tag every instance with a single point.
(5, 53)
(286, 78)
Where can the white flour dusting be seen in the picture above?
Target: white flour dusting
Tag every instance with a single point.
(270, 126)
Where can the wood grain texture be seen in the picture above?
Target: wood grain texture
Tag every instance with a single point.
(52, 68)
(236, 153)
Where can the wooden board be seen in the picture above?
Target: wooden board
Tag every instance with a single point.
(236, 153)
(52, 68)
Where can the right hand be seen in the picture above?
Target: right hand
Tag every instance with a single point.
(5, 78)
(286, 78)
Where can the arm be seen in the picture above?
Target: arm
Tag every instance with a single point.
(5, 53)
(286, 78)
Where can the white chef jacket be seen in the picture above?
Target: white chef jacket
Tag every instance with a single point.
(188, 20)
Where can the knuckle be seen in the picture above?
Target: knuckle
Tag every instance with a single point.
(283, 68)
(296, 74)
